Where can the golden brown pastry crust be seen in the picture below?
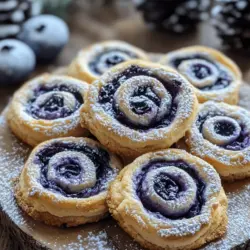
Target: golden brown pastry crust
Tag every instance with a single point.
(52, 207)
(229, 94)
(129, 142)
(52, 220)
(35, 130)
(154, 233)
(230, 164)
(79, 68)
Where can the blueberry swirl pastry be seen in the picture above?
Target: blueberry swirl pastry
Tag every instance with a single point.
(213, 75)
(169, 200)
(138, 106)
(95, 60)
(65, 181)
(221, 136)
(47, 107)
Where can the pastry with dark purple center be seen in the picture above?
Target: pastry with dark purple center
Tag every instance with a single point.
(169, 200)
(47, 107)
(137, 107)
(95, 60)
(64, 181)
(214, 76)
(221, 136)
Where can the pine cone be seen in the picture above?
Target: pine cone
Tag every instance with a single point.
(173, 15)
(13, 13)
(231, 19)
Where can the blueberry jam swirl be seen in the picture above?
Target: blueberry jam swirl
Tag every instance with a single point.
(170, 189)
(74, 170)
(54, 102)
(102, 62)
(203, 72)
(140, 99)
(223, 131)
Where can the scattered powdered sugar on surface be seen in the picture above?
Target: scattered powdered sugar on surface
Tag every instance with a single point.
(99, 241)
(106, 234)
(11, 162)
(94, 241)
(238, 230)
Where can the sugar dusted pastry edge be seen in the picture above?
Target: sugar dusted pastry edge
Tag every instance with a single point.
(34, 131)
(135, 228)
(53, 208)
(79, 67)
(128, 142)
(230, 94)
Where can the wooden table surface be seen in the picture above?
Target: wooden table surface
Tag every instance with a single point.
(123, 23)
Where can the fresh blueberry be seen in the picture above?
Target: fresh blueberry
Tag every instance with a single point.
(17, 61)
(46, 35)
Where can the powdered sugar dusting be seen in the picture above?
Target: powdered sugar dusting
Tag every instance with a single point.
(238, 230)
(93, 241)
(206, 144)
(106, 234)
(244, 99)
(54, 98)
(182, 229)
(12, 155)
(163, 121)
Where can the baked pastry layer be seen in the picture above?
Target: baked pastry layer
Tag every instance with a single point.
(221, 136)
(213, 75)
(96, 59)
(169, 200)
(138, 107)
(65, 181)
(47, 107)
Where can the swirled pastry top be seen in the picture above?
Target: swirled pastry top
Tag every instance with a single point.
(167, 195)
(213, 75)
(140, 101)
(51, 97)
(47, 106)
(68, 171)
(224, 126)
(95, 60)
(221, 135)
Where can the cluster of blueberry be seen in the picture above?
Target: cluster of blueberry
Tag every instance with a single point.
(39, 38)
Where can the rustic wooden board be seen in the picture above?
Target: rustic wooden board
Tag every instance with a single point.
(105, 234)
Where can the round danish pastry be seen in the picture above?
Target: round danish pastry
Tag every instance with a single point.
(138, 106)
(213, 75)
(169, 200)
(47, 107)
(221, 136)
(65, 181)
(95, 60)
